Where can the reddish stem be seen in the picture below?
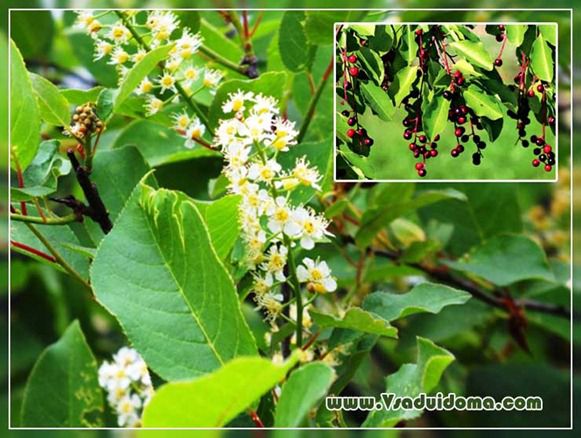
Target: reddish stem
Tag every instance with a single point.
(504, 38)
(20, 179)
(310, 342)
(256, 23)
(33, 251)
(256, 419)
(311, 82)
(245, 25)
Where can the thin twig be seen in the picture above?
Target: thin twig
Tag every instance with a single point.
(57, 256)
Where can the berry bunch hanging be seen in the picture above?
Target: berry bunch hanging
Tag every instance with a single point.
(429, 71)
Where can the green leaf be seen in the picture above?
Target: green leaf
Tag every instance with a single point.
(148, 137)
(372, 65)
(111, 165)
(466, 68)
(217, 398)
(411, 380)
(483, 104)
(378, 100)
(356, 319)
(374, 219)
(40, 178)
(270, 84)
(423, 298)
(53, 107)
(542, 59)
(138, 72)
(25, 28)
(105, 102)
(506, 259)
(316, 21)
(221, 218)
(516, 33)
(474, 52)
(549, 33)
(62, 389)
(158, 273)
(77, 97)
(487, 210)
(404, 80)
(301, 392)
(411, 44)
(292, 41)
(24, 115)
(364, 29)
(59, 236)
(435, 116)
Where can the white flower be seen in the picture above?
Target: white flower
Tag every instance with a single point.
(138, 372)
(187, 44)
(116, 394)
(276, 261)
(120, 377)
(212, 78)
(172, 64)
(144, 87)
(264, 172)
(86, 20)
(271, 303)
(119, 56)
(191, 74)
(262, 284)
(255, 128)
(181, 121)
(265, 104)
(236, 101)
(284, 135)
(194, 132)
(119, 33)
(236, 155)
(281, 218)
(162, 25)
(167, 82)
(227, 132)
(312, 226)
(106, 374)
(138, 56)
(256, 200)
(317, 275)
(127, 410)
(102, 49)
(307, 176)
(153, 105)
(126, 356)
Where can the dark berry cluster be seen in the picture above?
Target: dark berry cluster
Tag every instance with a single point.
(543, 152)
(521, 115)
(357, 132)
(461, 115)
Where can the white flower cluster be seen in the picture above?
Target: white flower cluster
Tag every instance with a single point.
(118, 43)
(251, 140)
(128, 385)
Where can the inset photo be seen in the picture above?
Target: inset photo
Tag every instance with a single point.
(446, 102)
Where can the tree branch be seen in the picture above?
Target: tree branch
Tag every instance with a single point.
(492, 298)
(96, 210)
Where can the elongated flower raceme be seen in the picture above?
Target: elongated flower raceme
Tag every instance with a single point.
(252, 136)
(128, 385)
(117, 44)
